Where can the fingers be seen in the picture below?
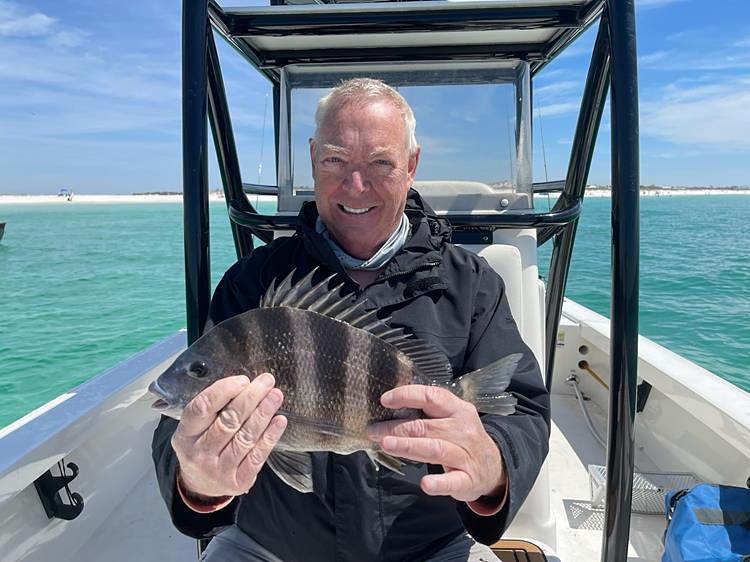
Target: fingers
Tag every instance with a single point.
(434, 401)
(433, 451)
(454, 483)
(249, 434)
(437, 428)
(201, 411)
(250, 466)
(231, 418)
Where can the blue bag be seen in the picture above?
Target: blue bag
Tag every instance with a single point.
(707, 523)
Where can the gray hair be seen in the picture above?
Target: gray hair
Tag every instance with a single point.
(358, 89)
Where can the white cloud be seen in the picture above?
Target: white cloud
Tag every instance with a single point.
(646, 60)
(14, 23)
(654, 3)
(557, 88)
(435, 146)
(556, 109)
(700, 115)
(743, 42)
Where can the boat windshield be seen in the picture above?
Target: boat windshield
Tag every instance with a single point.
(472, 127)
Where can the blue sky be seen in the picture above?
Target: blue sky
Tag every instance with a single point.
(90, 98)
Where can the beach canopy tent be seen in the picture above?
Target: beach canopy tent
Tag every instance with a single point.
(299, 44)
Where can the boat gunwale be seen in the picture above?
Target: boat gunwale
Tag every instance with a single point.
(34, 443)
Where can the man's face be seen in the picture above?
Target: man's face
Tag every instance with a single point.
(362, 172)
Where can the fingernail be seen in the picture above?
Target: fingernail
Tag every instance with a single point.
(244, 381)
(275, 398)
(389, 442)
(386, 399)
(267, 380)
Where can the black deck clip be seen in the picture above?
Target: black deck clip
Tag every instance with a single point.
(642, 392)
(48, 487)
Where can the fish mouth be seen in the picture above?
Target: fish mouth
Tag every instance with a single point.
(161, 403)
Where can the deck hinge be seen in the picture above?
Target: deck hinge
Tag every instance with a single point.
(49, 487)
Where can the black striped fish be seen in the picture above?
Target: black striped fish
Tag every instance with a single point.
(333, 360)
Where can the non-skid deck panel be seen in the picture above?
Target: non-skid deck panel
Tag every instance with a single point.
(579, 526)
(509, 550)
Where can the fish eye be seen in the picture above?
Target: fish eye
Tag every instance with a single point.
(198, 369)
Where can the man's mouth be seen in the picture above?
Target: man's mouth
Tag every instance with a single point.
(355, 210)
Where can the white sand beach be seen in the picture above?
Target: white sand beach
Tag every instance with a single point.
(669, 192)
(86, 198)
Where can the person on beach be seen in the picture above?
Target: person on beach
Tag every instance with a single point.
(468, 475)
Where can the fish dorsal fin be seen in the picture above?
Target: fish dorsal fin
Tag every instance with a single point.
(328, 301)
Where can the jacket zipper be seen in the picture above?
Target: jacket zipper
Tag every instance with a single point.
(407, 271)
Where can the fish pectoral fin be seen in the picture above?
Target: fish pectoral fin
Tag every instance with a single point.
(386, 460)
(293, 468)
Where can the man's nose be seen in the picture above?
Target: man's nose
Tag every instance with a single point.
(355, 181)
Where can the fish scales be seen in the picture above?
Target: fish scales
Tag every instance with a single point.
(330, 373)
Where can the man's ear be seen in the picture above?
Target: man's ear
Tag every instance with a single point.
(311, 142)
(412, 168)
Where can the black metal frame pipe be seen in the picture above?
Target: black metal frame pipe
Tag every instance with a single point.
(195, 166)
(584, 140)
(226, 149)
(625, 272)
(508, 220)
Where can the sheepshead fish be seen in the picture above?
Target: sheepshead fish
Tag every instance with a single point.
(332, 360)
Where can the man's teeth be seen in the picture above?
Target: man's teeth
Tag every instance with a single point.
(355, 211)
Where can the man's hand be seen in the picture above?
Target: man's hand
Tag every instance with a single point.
(452, 436)
(226, 434)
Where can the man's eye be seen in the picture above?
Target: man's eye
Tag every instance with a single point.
(383, 162)
(332, 160)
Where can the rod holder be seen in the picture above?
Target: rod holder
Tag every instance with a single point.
(48, 487)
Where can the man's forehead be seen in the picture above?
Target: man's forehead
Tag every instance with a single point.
(363, 108)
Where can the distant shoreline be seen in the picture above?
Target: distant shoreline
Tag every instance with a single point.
(215, 196)
(656, 192)
(101, 198)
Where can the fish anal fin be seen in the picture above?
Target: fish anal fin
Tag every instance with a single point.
(383, 459)
(293, 468)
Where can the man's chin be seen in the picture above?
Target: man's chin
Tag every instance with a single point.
(357, 242)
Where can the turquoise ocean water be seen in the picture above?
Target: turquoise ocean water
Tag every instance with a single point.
(86, 285)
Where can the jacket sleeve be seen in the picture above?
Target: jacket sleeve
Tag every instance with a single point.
(225, 302)
(523, 437)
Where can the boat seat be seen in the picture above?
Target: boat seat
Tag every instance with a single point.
(511, 550)
(516, 264)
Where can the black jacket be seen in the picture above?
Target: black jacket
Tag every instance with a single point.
(445, 295)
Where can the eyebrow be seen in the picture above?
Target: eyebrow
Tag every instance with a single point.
(382, 151)
(379, 151)
(335, 148)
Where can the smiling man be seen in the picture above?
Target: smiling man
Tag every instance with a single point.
(468, 474)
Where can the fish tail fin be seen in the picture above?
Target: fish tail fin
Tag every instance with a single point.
(485, 387)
